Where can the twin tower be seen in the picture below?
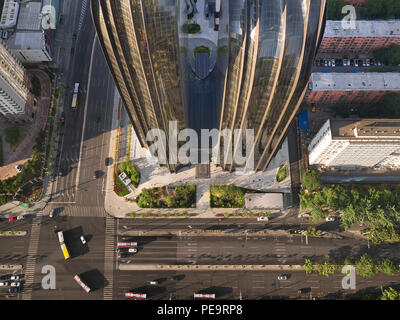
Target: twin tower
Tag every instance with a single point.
(235, 64)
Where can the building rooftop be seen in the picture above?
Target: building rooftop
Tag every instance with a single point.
(384, 28)
(380, 129)
(26, 40)
(368, 81)
(30, 16)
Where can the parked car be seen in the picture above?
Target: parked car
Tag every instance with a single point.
(15, 284)
(333, 62)
(14, 278)
(325, 63)
(304, 290)
(367, 61)
(282, 277)
(379, 63)
(330, 218)
(263, 219)
(345, 62)
(3, 284)
(352, 62)
(13, 290)
(329, 63)
(132, 250)
(153, 282)
(51, 215)
(356, 63)
(83, 240)
(18, 167)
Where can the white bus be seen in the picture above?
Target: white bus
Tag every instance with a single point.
(135, 295)
(204, 295)
(75, 96)
(63, 246)
(81, 283)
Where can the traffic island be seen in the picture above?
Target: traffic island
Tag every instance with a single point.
(206, 267)
(13, 233)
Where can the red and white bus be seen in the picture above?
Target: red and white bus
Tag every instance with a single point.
(135, 295)
(81, 283)
(126, 244)
(204, 295)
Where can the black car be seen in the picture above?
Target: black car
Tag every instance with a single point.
(304, 290)
(13, 290)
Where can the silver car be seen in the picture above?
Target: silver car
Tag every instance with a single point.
(282, 277)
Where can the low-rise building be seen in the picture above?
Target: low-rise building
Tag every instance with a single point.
(9, 14)
(352, 88)
(351, 144)
(366, 37)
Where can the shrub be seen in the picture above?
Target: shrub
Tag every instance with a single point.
(308, 266)
(365, 266)
(311, 180)
(191, 28)
(388, 266)
(13, 135)
(282, 172)
(131, 170)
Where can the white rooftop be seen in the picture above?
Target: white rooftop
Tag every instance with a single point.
(29, 40)
(30, 16)
(370, 28)
(368, 81)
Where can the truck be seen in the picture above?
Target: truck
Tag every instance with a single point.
(75, 96)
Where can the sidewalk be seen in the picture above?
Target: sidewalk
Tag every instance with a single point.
(24, 150)
(156, 176)
(13, 208)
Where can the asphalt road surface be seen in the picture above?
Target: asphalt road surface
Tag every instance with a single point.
(236, 284)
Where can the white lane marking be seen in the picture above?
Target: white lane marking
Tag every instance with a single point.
(85, 114)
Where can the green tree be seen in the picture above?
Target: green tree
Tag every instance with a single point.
(388, 266)
(334, 9)
(311, 180)
(326, 269)
(365, 266)
(13, 135)
(308, 266)
(390, 294)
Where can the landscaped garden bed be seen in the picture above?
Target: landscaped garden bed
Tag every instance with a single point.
(182, 196)
(228, 196)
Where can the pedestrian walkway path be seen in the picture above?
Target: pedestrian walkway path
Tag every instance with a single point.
(109, 258)
(31, 260)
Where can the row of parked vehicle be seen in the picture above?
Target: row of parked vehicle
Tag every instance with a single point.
(346, 62)
(13, 282)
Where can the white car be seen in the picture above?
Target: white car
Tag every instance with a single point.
(132, 250)
(18, 167)
(14, 278)
(154, 282)
(262, 218)
(15, 284)
(330, 218)
(83, 240)
(51, 215)
(3, 284)
(282, 277)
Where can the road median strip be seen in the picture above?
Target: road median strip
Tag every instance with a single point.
(165, 267)
(10, 266)
(13, 233)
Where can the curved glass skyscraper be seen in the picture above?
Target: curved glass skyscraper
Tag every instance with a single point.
(236, 64)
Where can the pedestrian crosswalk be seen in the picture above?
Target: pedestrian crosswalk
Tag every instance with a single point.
(109, 258)
(280, 251)
(31, 260)
(81, 211)
(83, 13)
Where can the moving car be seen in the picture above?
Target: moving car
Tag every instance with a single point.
(304, 290)
(330, 218)
(13, 290)
(132, 250)
(18, 167)
(282, 277)
(262, 218)
(14, 277)
(51, 215)
(154, 282)
(83, 240)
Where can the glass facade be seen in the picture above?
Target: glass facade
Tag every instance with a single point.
(265, 51)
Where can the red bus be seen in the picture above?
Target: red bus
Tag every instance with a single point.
(135, 295)
(126, 244)
(204, 295)
(81, 283)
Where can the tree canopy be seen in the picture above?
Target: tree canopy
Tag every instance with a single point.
(311, 180)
